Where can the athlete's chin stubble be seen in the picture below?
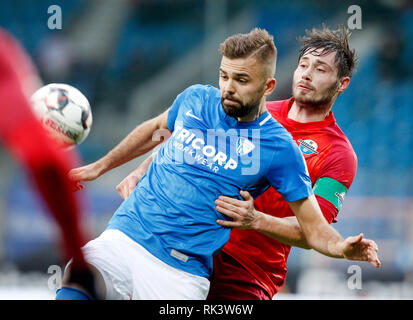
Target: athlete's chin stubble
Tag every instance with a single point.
(321, 102)
(242, 111)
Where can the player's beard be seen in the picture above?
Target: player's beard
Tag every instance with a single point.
(322, 101)
(242, 109)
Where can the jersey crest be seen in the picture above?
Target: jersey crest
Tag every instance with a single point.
(244, 146)
(308, 147)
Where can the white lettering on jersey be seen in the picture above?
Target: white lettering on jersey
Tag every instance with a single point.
(209, 151)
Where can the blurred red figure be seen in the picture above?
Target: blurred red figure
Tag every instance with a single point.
(46, 164)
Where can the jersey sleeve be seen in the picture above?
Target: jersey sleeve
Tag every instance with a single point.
(335, 178)
(190, 96)
(328, 209)
(341, 166)
(288, 173)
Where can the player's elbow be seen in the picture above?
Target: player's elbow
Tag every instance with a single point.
(302, 241)
(304, 245)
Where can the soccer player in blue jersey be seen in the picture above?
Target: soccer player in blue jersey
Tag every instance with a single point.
(160, 242)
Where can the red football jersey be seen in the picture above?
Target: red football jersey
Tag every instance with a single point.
(328, 153)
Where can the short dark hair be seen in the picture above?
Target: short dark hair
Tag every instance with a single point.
(331, 41)
(257, 43)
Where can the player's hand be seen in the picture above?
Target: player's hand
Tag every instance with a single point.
(85, 173)
(127, 185)
(357, 248)
(242, 212)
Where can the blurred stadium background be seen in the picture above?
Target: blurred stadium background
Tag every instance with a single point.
(131, 58)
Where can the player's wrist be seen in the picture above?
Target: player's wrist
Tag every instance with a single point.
(339, 249)
(258, 221)
(100, 167)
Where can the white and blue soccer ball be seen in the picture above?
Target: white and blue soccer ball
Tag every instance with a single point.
(64, 112)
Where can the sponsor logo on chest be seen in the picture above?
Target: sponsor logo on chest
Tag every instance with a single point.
(307, 146)
(194, 148)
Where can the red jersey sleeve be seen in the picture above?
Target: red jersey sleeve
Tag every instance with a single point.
(341, 166)
(329, 211)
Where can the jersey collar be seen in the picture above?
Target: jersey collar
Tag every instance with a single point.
(260, 121)
(257, 122)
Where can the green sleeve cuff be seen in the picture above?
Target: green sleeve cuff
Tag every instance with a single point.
(331, 190)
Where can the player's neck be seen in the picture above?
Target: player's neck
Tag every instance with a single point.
(305, 113)
(255, 114)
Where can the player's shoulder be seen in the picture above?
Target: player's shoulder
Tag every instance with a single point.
(278, 134)
(276, 107)
(200, 102)
(273, 125)
(340, 142)
(199, 96)
(202, 90)
(341, 162)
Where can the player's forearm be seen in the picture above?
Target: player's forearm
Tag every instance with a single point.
(318, 233)
(138, 142)
(285, 230)
(326, 240)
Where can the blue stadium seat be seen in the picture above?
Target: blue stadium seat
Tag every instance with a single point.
(151, 42)
(278, 16)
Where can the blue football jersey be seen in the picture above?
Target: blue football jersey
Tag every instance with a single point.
(172, 212)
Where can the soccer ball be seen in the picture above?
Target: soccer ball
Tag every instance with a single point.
(64, 112)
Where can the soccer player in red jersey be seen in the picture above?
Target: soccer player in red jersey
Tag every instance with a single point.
(46, 164)
(253, 264)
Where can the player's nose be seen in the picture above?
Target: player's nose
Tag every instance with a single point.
(229, 87)
(306, 75)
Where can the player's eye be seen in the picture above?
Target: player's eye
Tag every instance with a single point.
(320, 69)
(242, 80)
(223, 76)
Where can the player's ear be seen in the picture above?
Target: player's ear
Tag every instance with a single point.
(270, 85)
(344, 82)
